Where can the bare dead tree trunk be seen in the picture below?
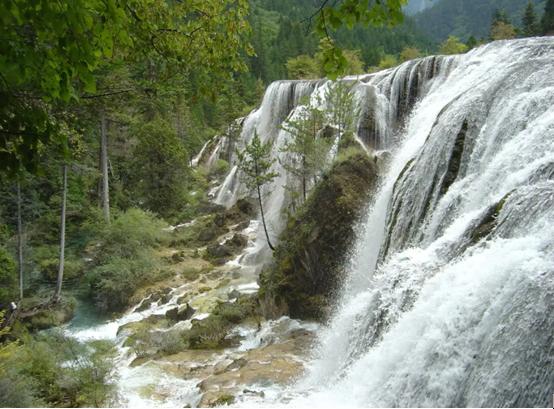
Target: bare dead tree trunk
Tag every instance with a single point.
(19, 241)
(104, 167)
(59, 280)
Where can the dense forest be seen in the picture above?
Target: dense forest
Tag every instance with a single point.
(464, 19)
(112, 117)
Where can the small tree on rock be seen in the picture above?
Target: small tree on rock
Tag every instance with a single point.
(341, 109)
(255, 162)
(305, 151)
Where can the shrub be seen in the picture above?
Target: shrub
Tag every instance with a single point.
(220, 168)
(125, 260)
(56, 371)
(211, 332)
(73, 268)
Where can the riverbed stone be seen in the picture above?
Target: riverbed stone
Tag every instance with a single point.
(181, 313)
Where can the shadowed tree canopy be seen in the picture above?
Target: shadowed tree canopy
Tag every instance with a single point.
(52, 53)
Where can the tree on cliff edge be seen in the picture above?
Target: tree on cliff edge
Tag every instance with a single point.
(255, 162)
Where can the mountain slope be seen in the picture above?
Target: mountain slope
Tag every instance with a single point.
(416, 6)
(469, 17)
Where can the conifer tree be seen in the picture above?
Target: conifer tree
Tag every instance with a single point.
(547, 21)
(341, 108)
(255, 162)
(305, 151)
(530, 23)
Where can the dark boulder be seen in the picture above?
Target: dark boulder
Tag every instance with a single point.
(217, 251)
(181, 313)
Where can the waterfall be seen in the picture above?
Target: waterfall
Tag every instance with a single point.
(450, 297)
(383, 101)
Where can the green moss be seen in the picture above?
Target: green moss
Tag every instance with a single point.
(211, 332)
(307, 263)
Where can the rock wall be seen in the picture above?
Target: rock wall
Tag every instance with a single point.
(307, 268)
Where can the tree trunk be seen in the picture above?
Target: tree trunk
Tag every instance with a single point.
(104, 168)
(304, 194)
(59, 280)
(263, 219)
(19, 241)
(262, 209)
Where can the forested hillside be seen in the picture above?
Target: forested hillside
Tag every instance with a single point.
(282, 30)
(467, 18)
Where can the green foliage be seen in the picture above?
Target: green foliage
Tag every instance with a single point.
(211, 332)
(48, 315)
(54, 52)
(124, 259)
(304, 153)
(468, 18)
(502, 31)
(341, 109)
(306, 67)
(530, 21)
(388, 61)
(160, 168)
(409, 53)
(472, 42)
(452, 46)
(333, 16)
(302, 67)
(307, 267)
(219, 168)
(8, 278)
(547, 21)
(255, 162)
(53, 370)
(49, 51)
(354, 63)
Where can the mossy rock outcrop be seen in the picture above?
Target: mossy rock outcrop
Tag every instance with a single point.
(211, 332)
(48, 314)
(307, 268)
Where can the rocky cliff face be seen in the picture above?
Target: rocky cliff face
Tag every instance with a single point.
(307, 268)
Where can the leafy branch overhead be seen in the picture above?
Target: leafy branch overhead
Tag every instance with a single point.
(332, 15)
(52, 54)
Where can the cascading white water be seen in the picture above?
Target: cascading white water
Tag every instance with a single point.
(450, 299)
(382, 100)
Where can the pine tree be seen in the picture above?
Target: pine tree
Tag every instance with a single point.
(255, 162)
(530, 23)
(472, 42)
(548, 18)
(341, 109)
(500, 16)
(305, 151)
